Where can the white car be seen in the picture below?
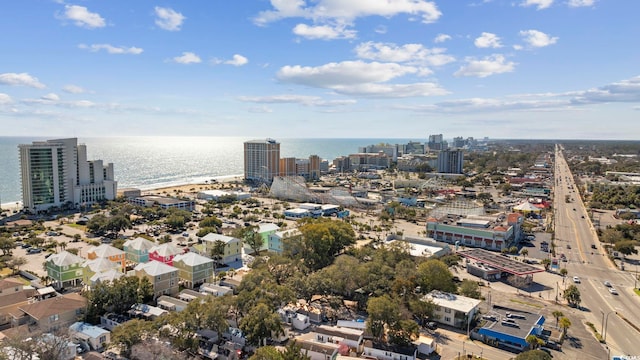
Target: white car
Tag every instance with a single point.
(607, 284)
(576, 280)
(613, 291)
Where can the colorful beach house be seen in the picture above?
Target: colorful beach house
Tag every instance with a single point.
(232, 247)
(164, 253)
(65, 269)
(109, 275)
(265, 230)
(97, 266)
(108, 252)
(275, 243)
(163, 277)
(137, 250)
(193, 269)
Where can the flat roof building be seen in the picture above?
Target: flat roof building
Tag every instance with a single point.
(261, 160)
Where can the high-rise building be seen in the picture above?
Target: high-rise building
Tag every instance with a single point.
(57, 173)
(450, 161)
(261, 160)
(288, 166)
(436, 142)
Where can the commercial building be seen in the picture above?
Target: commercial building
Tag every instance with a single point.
(453, 310)
(436, 142)
(164, 202)
(450, 161)
(505, 327)
(56, 173)
(261, 160)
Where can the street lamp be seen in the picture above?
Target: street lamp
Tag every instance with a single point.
(603, 329)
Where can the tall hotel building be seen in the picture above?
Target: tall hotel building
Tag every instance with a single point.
(57, 173)
(450, 161)
(261, 160)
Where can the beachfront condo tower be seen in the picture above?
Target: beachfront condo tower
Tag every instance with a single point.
(56, 173)
(261, 160)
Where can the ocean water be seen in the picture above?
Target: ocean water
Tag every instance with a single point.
(150, 162)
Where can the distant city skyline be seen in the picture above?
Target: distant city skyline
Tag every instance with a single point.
(521, 69)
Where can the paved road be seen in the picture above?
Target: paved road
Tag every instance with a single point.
(574, 228)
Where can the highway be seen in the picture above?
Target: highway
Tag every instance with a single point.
(575, 236)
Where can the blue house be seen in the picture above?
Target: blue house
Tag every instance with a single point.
(509, 328)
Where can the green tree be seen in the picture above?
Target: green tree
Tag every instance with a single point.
(97, 224)
(210, 222)
(251, 237)
(118, 223)
(383, 311)
(626, 247)
(15, 263)
(572, 295)
(216, 251)
(130, 333)
(320, 242)
(534, 342)
(557, 314)
(261, 323)
(546, 262)
(533, 355)
(434, 275)
(564, 323)
(564, 272)
(404, 332)
(117, 296)
(7, 245)
(470, 288)
(267, 353)
(524, 253)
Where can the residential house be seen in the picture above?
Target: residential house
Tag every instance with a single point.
(137, 250)
(453, 310)
(93, 337)
(264, 230)
(316, 349)
(108, 252)
(13, 294)
(109, 275)
(232, 247)
(215, 289)
(386, 352)
(353, 338)
(51, 314)
(193, 269)
(275, 240)
(64, 268)
(171, 304)
(163, 277)
(97, 266)
(164, 253)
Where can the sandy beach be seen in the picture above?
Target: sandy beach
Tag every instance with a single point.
(192, 189)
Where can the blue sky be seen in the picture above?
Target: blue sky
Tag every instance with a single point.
(556, 69)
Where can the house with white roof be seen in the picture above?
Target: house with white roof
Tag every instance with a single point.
(137, 250)
(93, 337)
(274, 242)
(64, 268)
(453, 310)
(109, 275)
(265, 230)
(97, 266)
(193, 269)
(163, 277)
(108, 252)
(232, 246)
(164, 253)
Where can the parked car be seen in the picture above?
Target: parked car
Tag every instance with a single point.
(25, 246)
(593, 246)
(613, 291)
(34, 251)
(432, 325)
(576, 280)
(607, 284)
(552, 345)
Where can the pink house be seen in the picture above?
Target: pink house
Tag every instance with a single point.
(164, 253)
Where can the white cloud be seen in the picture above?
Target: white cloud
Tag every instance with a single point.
(73, 89)
(5, 99)
(541, 4)
(409, 53)
(622, 91)
(359, 78)
(441, 38)
(487, 40)
(168, 19)
(296, 99)
(82, 17)
(581, 3)
(518, 47)
(535, 38)
(237, 60)
(489, 65)
(187, 58)
(112, 49)
(21, 79)
(381, 29)
(260, 110)
(50, 97)
(324, 32)
(346, 11)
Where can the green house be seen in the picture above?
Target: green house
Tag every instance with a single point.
(65, 269)
(193, 269)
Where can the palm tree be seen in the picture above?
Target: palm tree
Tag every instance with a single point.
(524, 253)
(557, 314)
(533, 341)
(546, 262)
(565, 323)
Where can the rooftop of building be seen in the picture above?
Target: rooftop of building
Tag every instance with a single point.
(452, 301)
(155, 268)
(512, 322)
